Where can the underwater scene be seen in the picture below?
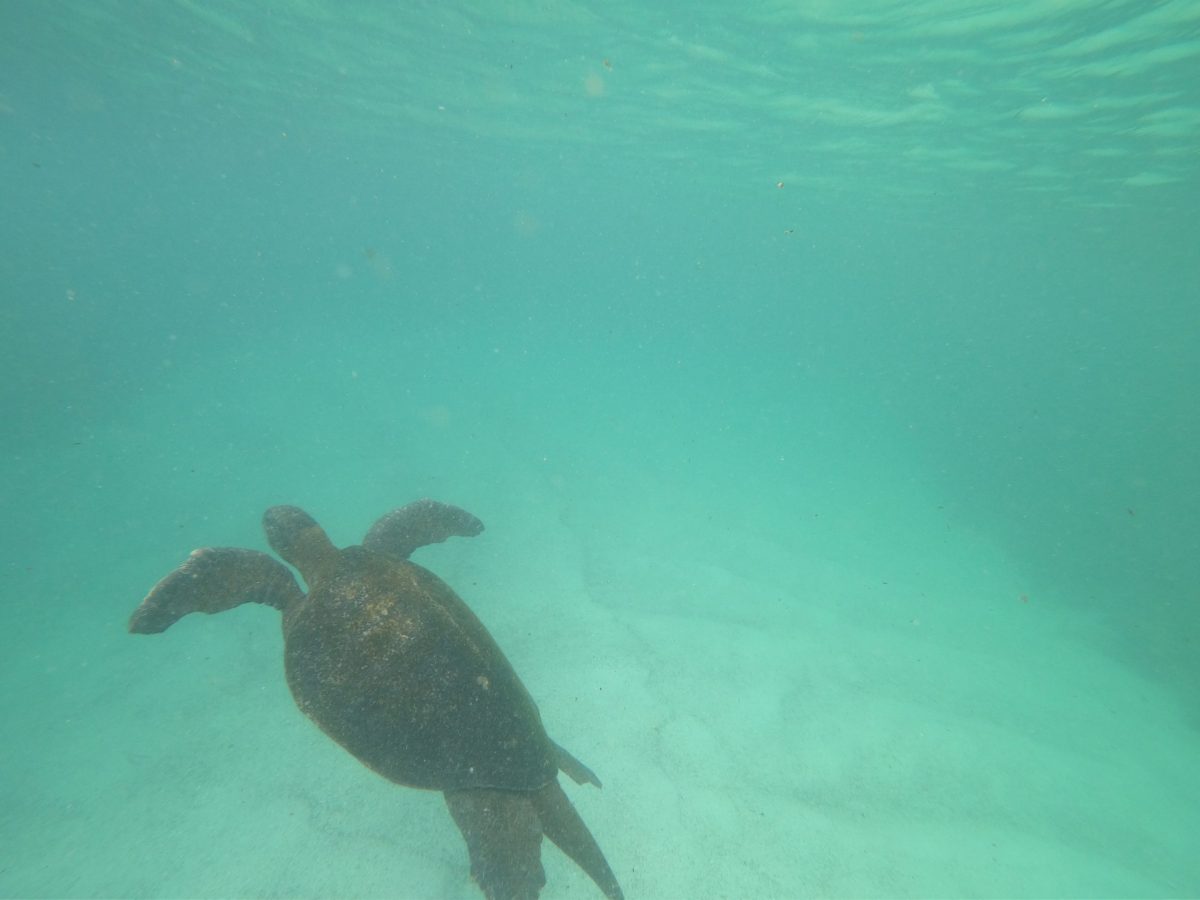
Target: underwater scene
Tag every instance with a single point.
(782, 414)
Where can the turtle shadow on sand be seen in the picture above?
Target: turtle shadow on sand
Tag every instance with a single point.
(395, 667)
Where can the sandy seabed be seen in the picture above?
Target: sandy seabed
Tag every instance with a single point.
(771, 717)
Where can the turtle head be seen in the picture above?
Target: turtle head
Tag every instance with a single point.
(296, 536)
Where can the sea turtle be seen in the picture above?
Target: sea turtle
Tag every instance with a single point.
(395, 667)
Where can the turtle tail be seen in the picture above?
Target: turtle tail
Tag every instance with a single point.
(213, 580)
(579, 773)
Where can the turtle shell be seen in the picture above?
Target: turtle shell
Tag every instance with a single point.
(395, 667)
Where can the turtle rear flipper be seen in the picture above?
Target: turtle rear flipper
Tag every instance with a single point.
(417, 524)
(213, 580)
(562, 824)
(504, 839)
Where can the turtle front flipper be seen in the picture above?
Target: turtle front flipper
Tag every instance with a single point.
(504, 840)
(417, 524)
(213, 580)
(563, 825)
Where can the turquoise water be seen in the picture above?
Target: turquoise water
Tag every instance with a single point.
(824, 374)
